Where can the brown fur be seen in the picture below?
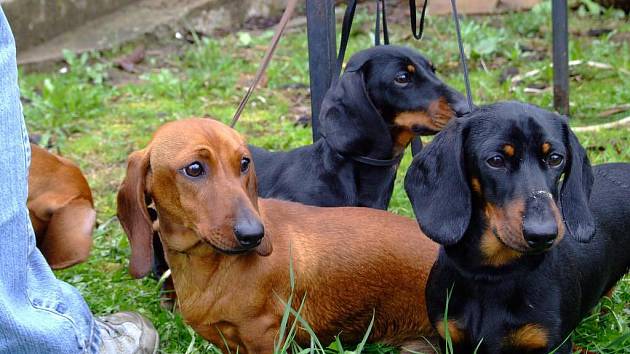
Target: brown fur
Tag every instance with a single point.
(545, 148)
(503, 239)
(454, 331)
(475, 185)
(435, 118)
(411, 68)
(559, 221)
(509, 150)
(61, 209)
(348, 262)
(528, 337)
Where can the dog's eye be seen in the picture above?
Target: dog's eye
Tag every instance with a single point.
(496, 161)
(554, 160)
(245, 164)
(402, 78)
(194, 170)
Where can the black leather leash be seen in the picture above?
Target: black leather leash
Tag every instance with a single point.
(417, 30)
(462, 55)
(346, 26)
(380, 12)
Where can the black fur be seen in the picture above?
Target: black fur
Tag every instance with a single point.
(357, 118)
(553, 288)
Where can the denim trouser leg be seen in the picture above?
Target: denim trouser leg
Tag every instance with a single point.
(38, 313)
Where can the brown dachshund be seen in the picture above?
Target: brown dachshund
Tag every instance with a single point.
(61, 209)
(231, 273)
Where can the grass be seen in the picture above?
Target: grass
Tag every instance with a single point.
(94, 119)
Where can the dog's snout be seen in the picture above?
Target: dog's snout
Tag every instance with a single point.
(458, 103)
(540, 228)
(249, 232)
(540, 236)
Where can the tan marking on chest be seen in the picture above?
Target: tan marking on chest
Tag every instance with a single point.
(454, 331)
(530, 336)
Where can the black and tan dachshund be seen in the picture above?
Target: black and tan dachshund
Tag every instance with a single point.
(499, 189)
(386, 96)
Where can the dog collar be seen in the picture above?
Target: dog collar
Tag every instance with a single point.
(364, 159)
(377, 162)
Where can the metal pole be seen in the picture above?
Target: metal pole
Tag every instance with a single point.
(322, 50)
(560, 28)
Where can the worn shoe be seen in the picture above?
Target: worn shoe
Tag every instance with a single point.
(127, 333)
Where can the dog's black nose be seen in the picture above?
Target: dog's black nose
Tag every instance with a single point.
(249, 232)
(540, 236)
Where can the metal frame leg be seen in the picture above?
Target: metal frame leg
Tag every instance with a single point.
(322, 51)
(560, 35)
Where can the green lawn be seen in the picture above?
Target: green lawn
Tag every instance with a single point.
(96, 119)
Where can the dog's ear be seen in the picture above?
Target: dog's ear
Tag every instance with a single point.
(576, 191)
(349, 120)
(251, 184)
(265, 248)
(359, 59)
(437, 187)
(133, 213)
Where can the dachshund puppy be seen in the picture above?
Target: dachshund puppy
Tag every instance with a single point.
(386, 96)
(526, 253)
(231, 254)
(61, 209)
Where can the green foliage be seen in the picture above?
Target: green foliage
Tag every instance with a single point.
(78, 91)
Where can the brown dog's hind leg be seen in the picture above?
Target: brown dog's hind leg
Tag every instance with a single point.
(68, 238)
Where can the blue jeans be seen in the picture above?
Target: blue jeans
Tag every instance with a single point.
(38, 313)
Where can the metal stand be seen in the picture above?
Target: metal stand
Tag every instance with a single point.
(322, 52)
(560, 29)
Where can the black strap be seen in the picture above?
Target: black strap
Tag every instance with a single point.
(346, 26)
(417, 33)
(416, 146)
(380, 9)
(364, 159)
(462, 55)
(416, 143)
(377, 162)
